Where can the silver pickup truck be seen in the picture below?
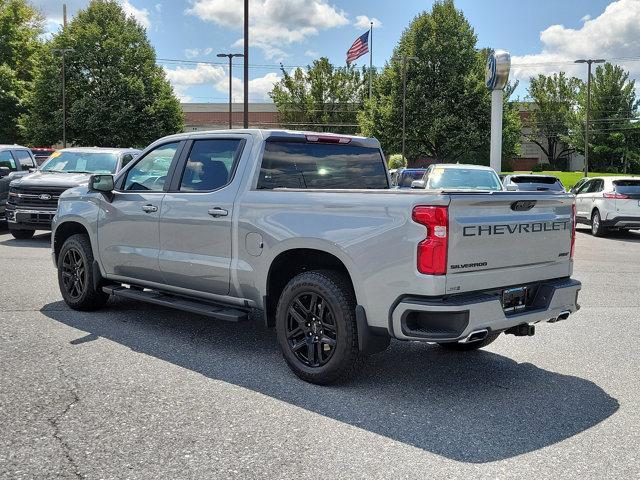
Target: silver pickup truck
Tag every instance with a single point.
(303, 231)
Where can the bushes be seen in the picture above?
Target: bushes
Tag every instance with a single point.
(395, 161)
(541, 167)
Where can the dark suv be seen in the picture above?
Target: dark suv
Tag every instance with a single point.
(33, 199)
(15, 162)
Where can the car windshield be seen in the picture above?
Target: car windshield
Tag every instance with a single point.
(85, 162)
(442, 178)
(405, 177)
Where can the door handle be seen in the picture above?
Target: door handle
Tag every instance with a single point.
(218, 212)
(149, 208)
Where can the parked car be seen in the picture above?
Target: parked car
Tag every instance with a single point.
(42, 153)
(609, 203)
(15, 162)
(405, 176)
(296, 228)
(532, 183)
(446, 176)
(33, 199)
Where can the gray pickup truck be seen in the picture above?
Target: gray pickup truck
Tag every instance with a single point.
(304, 231)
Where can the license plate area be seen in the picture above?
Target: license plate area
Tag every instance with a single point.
(515, 299)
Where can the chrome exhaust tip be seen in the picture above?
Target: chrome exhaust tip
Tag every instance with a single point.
(475, 336)
(563, 316)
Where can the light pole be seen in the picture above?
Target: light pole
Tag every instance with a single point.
(63, 52)
(246, 63)
(230, 57)
(404, 60)
(588, 61)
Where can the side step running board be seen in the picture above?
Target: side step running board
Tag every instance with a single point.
(220, 312)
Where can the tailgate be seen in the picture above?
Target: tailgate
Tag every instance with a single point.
(508, 238)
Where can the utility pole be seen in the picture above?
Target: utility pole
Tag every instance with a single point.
(230, 57)
(63, 52)
(246, 63)
(404, 60)
(589, 62)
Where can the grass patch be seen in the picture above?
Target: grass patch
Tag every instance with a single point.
(569, 179)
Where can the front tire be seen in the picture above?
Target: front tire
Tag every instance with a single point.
(467, 347)
(316, 327)
(75, 275)
(597, 229)
(22, 234)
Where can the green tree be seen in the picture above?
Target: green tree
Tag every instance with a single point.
(20, 28)
(116, 94)
(550, 113)
(613, 128)
(448, 106)
(322, 97)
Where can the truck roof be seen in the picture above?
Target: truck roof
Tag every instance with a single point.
(466, 166)
(96, 149)
(12, 146)
(263, 134)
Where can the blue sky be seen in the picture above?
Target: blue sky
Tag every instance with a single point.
(542, 35)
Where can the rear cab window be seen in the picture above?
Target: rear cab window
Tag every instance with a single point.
(25, 159)
(296, 164)
(537, 183)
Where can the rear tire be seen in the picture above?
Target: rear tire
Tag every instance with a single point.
(316, 327)
(467, 347)
(22, 234)
(597, 229)
(75, 275)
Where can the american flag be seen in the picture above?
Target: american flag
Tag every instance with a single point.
(359, 48)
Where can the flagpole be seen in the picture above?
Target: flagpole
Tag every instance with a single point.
(370, 57)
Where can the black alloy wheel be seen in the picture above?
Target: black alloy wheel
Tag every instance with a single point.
(311, 329)
(74, 273)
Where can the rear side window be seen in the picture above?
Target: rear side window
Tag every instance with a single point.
(627, 187)
(24, 157)
(210, 165)
(321, 166)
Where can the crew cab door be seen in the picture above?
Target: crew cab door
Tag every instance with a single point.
(196, 216)
(128, 236)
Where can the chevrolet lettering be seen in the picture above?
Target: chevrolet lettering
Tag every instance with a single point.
(536, 227)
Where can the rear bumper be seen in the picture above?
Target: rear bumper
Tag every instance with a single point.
(455, 318)
(29, 219)
(622, 222)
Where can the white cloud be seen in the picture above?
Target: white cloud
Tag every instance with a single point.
(585, 18)
(191, 52)
(182, 78)
(613, 35)
(312, 53)
(274, 23)
(52, 10)
(364, 22)
(140, 14)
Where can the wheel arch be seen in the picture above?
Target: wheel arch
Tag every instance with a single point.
(65, 230)
(291, 262)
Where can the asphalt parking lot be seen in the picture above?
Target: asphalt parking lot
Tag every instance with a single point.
(135, 391)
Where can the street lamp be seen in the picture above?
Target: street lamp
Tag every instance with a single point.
(63, 52)
(230, 57)
(588, 61)
(404, 60)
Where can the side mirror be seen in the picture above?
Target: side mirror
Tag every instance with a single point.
(421, 184)
(101, 183)
(4, 172)
(512, 188)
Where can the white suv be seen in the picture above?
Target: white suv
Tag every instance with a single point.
(608, 203)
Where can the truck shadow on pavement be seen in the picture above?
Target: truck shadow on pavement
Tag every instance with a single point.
(475, 407)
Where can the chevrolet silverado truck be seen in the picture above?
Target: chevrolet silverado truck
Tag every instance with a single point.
(33, 199)
(304, 232)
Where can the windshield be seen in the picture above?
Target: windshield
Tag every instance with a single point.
(83, 162)
(407, 176)
(442, 178)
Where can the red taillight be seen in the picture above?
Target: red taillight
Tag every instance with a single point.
(432, 251)
(573, 228)
(619, 196)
